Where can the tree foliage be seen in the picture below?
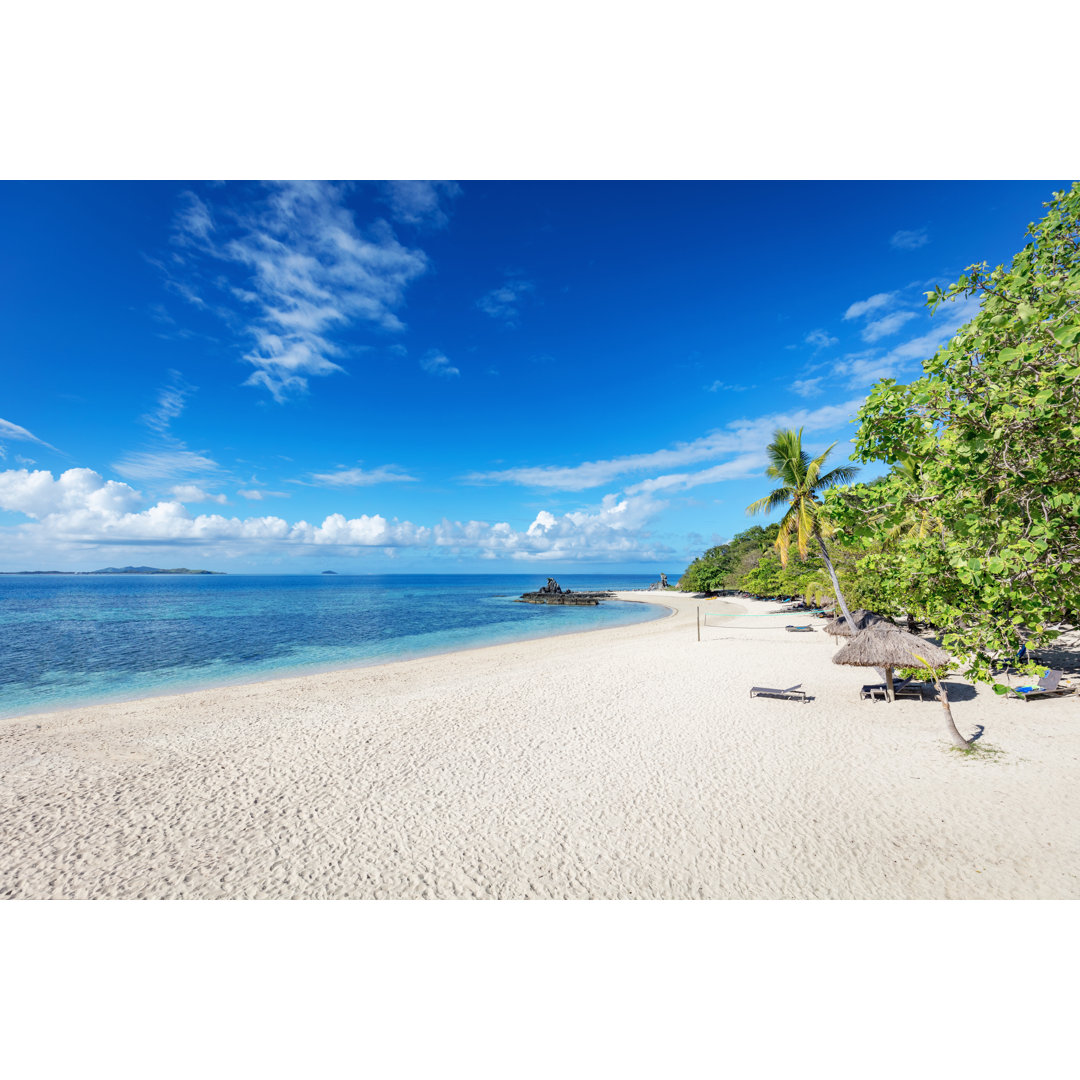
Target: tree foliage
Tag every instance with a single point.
(976, 529)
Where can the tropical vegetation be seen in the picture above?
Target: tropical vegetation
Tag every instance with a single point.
(975, 530)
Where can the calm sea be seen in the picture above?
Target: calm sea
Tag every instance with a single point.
(82, 640)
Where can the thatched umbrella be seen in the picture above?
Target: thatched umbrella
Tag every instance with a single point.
(886, 646)
(860, 617)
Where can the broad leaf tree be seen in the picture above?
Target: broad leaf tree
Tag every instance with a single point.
(977, 531)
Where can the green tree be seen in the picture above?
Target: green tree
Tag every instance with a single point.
(803, 482)
(982, 538)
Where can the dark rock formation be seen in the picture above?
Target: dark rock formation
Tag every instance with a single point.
(554, 593)
(656, 586)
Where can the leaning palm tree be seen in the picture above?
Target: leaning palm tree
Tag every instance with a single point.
(803, 481)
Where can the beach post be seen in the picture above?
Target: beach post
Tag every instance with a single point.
(699, 622)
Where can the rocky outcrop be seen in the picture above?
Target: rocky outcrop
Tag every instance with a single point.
(657, 586)
(554, 593)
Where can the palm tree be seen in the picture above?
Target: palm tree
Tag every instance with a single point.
(802, 481)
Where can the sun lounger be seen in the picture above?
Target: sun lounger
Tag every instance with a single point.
(799, 629)
(1048, 686)
(791, 694)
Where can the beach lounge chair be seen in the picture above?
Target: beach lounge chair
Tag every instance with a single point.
(791, 694)
(1048, 686)
(799, 629)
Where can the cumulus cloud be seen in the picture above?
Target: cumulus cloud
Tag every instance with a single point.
(909, 239)
(306, 270)
(384, 474)
(419, 202)
(739, 437)
(503, 303)
(435, 363)
(80, 507)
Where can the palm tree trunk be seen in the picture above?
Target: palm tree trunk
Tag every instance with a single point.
(954, 732)
(836, 584)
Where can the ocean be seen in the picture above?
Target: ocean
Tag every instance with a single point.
(70, 641)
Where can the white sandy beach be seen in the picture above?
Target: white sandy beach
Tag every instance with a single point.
(615, 764)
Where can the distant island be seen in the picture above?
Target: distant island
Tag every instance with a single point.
(116, 570)
(334, 572)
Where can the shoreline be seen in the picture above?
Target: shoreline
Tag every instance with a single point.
(286, 672)
(620, 763)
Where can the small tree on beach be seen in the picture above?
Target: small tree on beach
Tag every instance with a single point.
(802, 483)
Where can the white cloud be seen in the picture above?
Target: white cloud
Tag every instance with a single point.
(820, 339)
(164, 464)
(310, 271)
(807, 388)
(255, 495)
(502, 303)
(419, 202)
(384, 474)
(739, 437)
(8, 430)
(867, 307)
(192, 493)
(171, 400)
(437, 364)
(883, 327)
(909, 239)
(719, 385)
(862, 369)
(738, 468)
(80, 508)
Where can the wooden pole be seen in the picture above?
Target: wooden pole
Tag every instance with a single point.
(889, 685)
(699, 622)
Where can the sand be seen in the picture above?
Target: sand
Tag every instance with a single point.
(615, 764)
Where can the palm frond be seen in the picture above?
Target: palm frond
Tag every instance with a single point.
(770, 502)
(843, 474)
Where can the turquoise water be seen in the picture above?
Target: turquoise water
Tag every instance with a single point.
(68, 641)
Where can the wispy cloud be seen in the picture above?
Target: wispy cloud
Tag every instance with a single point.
(807, 388)
(356, 477)
(877, 302)
(8, 430)
(719, 385)
(820, 339)
(890, 324)
(302, 270)
(503, 303)
(256, 495)
(435, 363)
(164, 464)
(171, 400)
(909, 239)
(863, 368)
(419, 202)
(192, 493)
(739, 437)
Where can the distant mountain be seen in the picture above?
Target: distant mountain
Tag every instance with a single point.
(116, 570)
(150, 570)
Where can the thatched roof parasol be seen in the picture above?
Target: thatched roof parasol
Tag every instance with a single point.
(860, 617)
(886, 646)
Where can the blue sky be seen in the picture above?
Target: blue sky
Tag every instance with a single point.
(448, 377)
